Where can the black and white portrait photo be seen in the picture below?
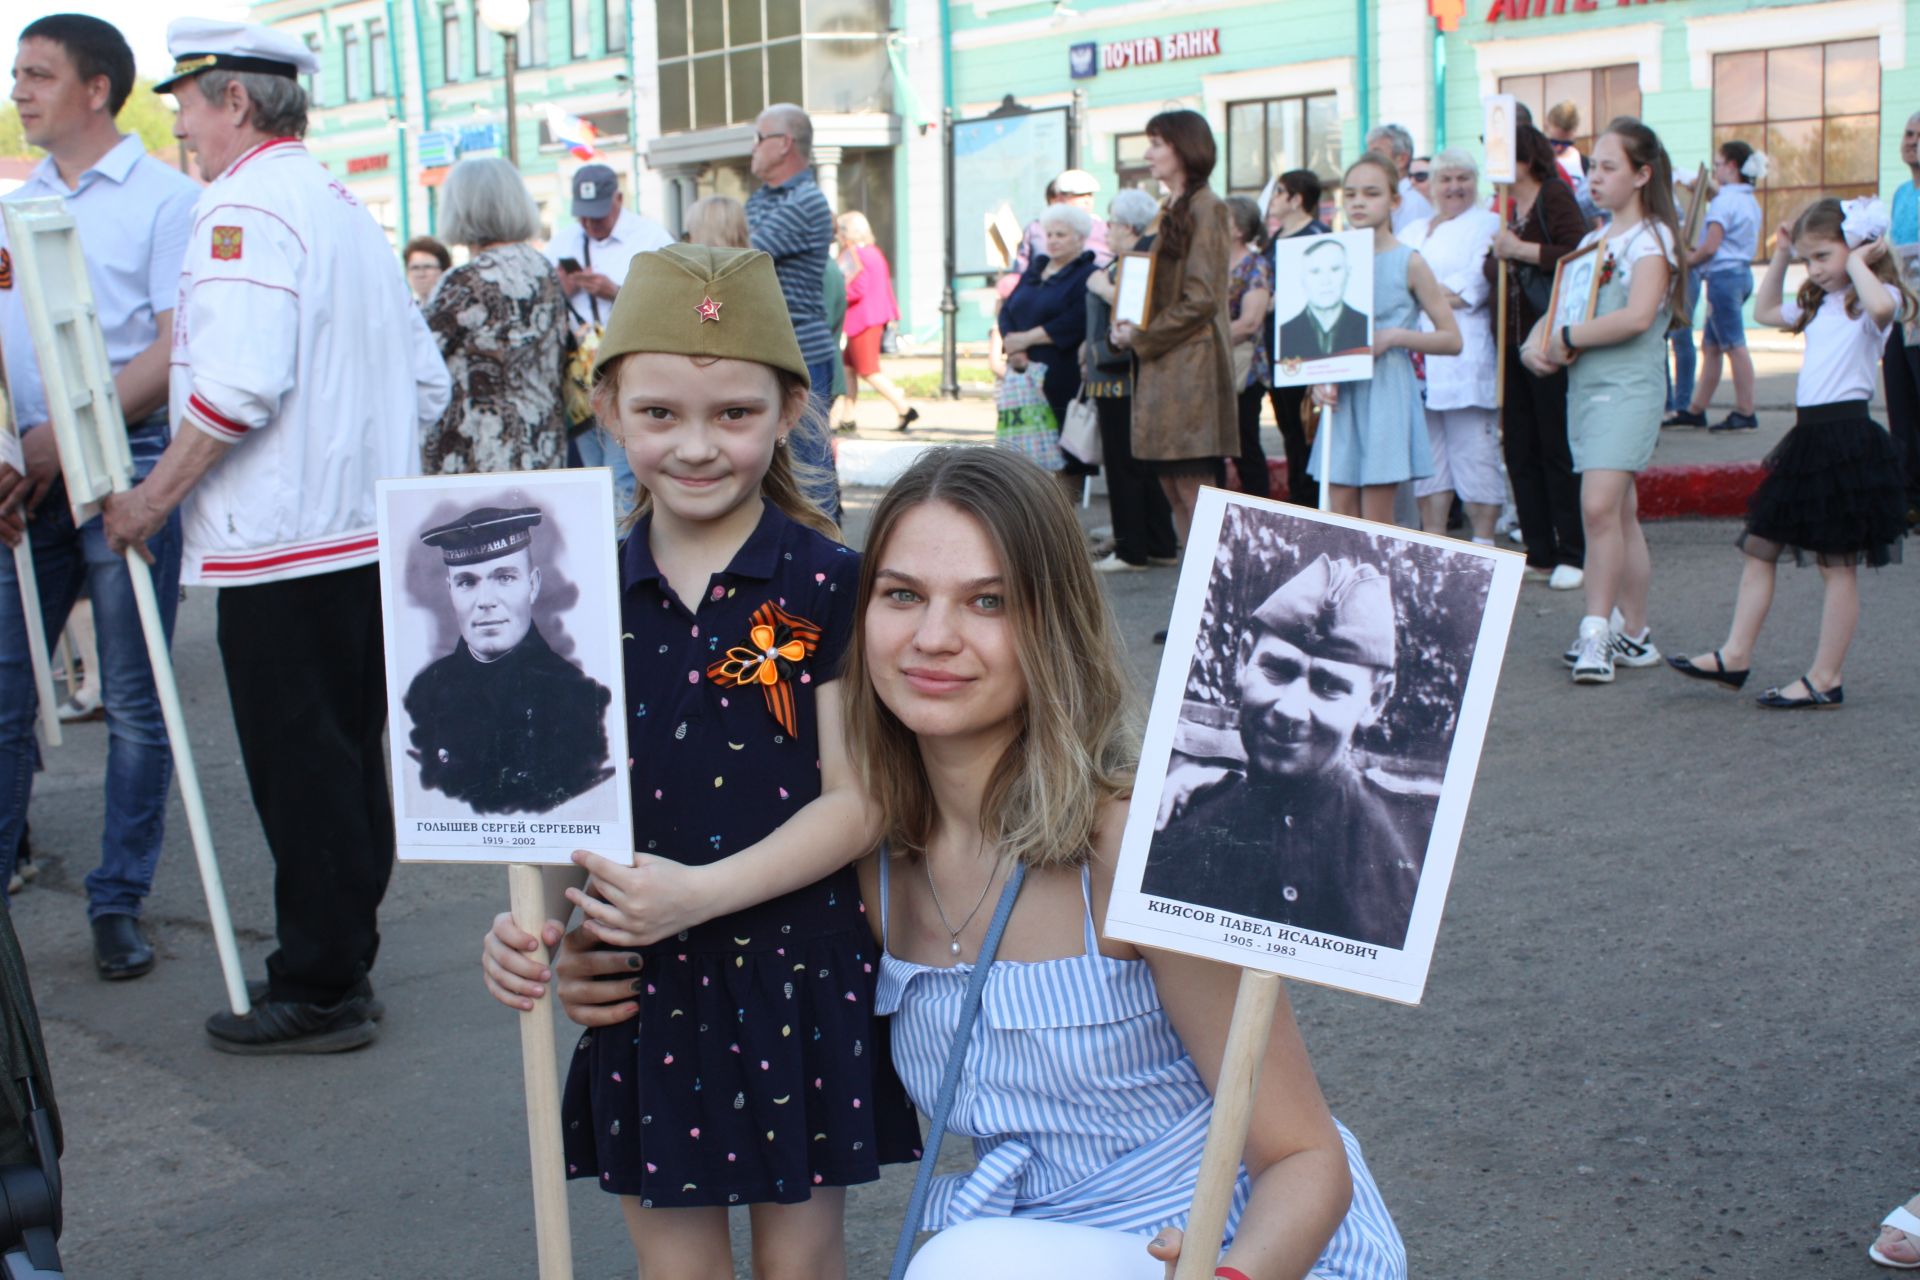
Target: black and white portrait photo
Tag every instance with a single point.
(503, 665)
(1323, 308)
(1304, 764)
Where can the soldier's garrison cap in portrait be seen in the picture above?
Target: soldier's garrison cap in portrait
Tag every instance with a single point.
(503, 723)
(1339, 610)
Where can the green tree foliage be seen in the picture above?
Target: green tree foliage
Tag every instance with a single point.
(1438, 599)
(146, 114)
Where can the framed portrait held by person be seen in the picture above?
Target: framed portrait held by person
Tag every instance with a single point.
(1696, 212)
(1315, 732)
(1323, 309)
(505, 702)
(1133, 289)
(1576, 289)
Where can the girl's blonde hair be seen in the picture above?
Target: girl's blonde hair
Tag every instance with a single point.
(1078, 738)
(855, 230)
(719, 221)
(1823, 220)
(783, 484)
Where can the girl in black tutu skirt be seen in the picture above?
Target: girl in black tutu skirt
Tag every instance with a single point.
(1833, 487)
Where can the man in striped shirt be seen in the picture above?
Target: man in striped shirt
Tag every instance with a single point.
(789, 219)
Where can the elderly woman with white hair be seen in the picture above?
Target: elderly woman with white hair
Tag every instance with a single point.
(501, 323)
(1463, 420)
(1044, 320)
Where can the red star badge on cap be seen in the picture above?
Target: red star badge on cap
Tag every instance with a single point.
(709, 311)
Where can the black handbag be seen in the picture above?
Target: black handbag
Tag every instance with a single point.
(1535, 283)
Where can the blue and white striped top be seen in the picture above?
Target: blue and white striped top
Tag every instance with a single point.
(1082, 1103)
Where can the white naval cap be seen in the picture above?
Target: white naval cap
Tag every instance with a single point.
(211, 44)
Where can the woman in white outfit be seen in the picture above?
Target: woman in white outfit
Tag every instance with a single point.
(1463, 422)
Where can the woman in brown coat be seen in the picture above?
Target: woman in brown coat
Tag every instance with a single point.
(1184, 408)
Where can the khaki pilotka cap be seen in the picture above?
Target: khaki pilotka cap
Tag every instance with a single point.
(1339, 610)
(698, 300)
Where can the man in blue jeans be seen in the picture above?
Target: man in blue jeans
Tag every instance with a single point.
(72, 74)
(789, 219)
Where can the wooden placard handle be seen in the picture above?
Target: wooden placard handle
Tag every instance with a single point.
(540, 1073)
(1233, 1098)
(1500, 200)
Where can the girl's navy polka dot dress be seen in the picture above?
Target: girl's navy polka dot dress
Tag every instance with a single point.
(756, 1069)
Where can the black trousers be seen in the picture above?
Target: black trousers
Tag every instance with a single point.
(307, 678)
(1901, 367)
(1142, 517)
(1546, 492)
(1302, 488)
(1252, 462)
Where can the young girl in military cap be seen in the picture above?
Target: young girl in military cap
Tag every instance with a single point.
(745, 1068)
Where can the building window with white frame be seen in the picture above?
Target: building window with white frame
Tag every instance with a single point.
(353, 60)
(450, 62)
(484, 43)
(1275, 135)
(580, 28)
(618, 15)
(377, 58)
(1815, 110)
(531, 46)
(1130, 164)
(312, 81)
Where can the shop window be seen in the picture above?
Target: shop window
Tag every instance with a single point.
(617, 17)
(355, 61)
(1130, 163)
(1815, 110)
(377, 58)
(1267, 138)
(722, 61)
(1600, 95)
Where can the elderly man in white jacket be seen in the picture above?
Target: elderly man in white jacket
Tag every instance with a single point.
(301, 375)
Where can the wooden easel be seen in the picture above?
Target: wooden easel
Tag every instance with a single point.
(29, 583)
(1502, 201)
(84, 414)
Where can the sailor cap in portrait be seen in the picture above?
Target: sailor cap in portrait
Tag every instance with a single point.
(1340, 610)
(485, 533)
(212, 44)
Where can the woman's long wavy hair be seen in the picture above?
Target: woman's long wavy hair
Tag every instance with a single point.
(785, 476)
(1191, 138)
(1078, 739)
(1644, 151)
(1824, 220)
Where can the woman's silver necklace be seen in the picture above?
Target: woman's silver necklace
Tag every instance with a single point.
(953, 934)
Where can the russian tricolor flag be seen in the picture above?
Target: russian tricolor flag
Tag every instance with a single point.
(577, 135)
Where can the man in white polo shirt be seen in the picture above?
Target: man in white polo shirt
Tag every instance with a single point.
(71, 75)
(302, 373)
(592, 257)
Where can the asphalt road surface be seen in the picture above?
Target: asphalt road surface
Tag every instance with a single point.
(1670, 1029)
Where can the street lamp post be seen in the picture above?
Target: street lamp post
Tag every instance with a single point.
(505, 18)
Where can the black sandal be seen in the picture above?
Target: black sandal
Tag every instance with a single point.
(1774, 700)
(1720, 676)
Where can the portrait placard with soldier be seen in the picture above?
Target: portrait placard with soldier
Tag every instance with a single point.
(1313, 741)
(503, 668)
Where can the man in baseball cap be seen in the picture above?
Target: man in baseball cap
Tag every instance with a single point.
(1296, 832)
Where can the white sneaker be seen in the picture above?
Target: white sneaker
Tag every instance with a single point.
(1567, 577)
(83, 704)
(1517, 538)
(1112, 563)
(1594, 663)
(1571, 654)
(1629, 652)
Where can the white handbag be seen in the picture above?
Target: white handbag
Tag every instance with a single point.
(1080, 433)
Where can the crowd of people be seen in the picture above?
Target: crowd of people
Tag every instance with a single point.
(931, 748)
